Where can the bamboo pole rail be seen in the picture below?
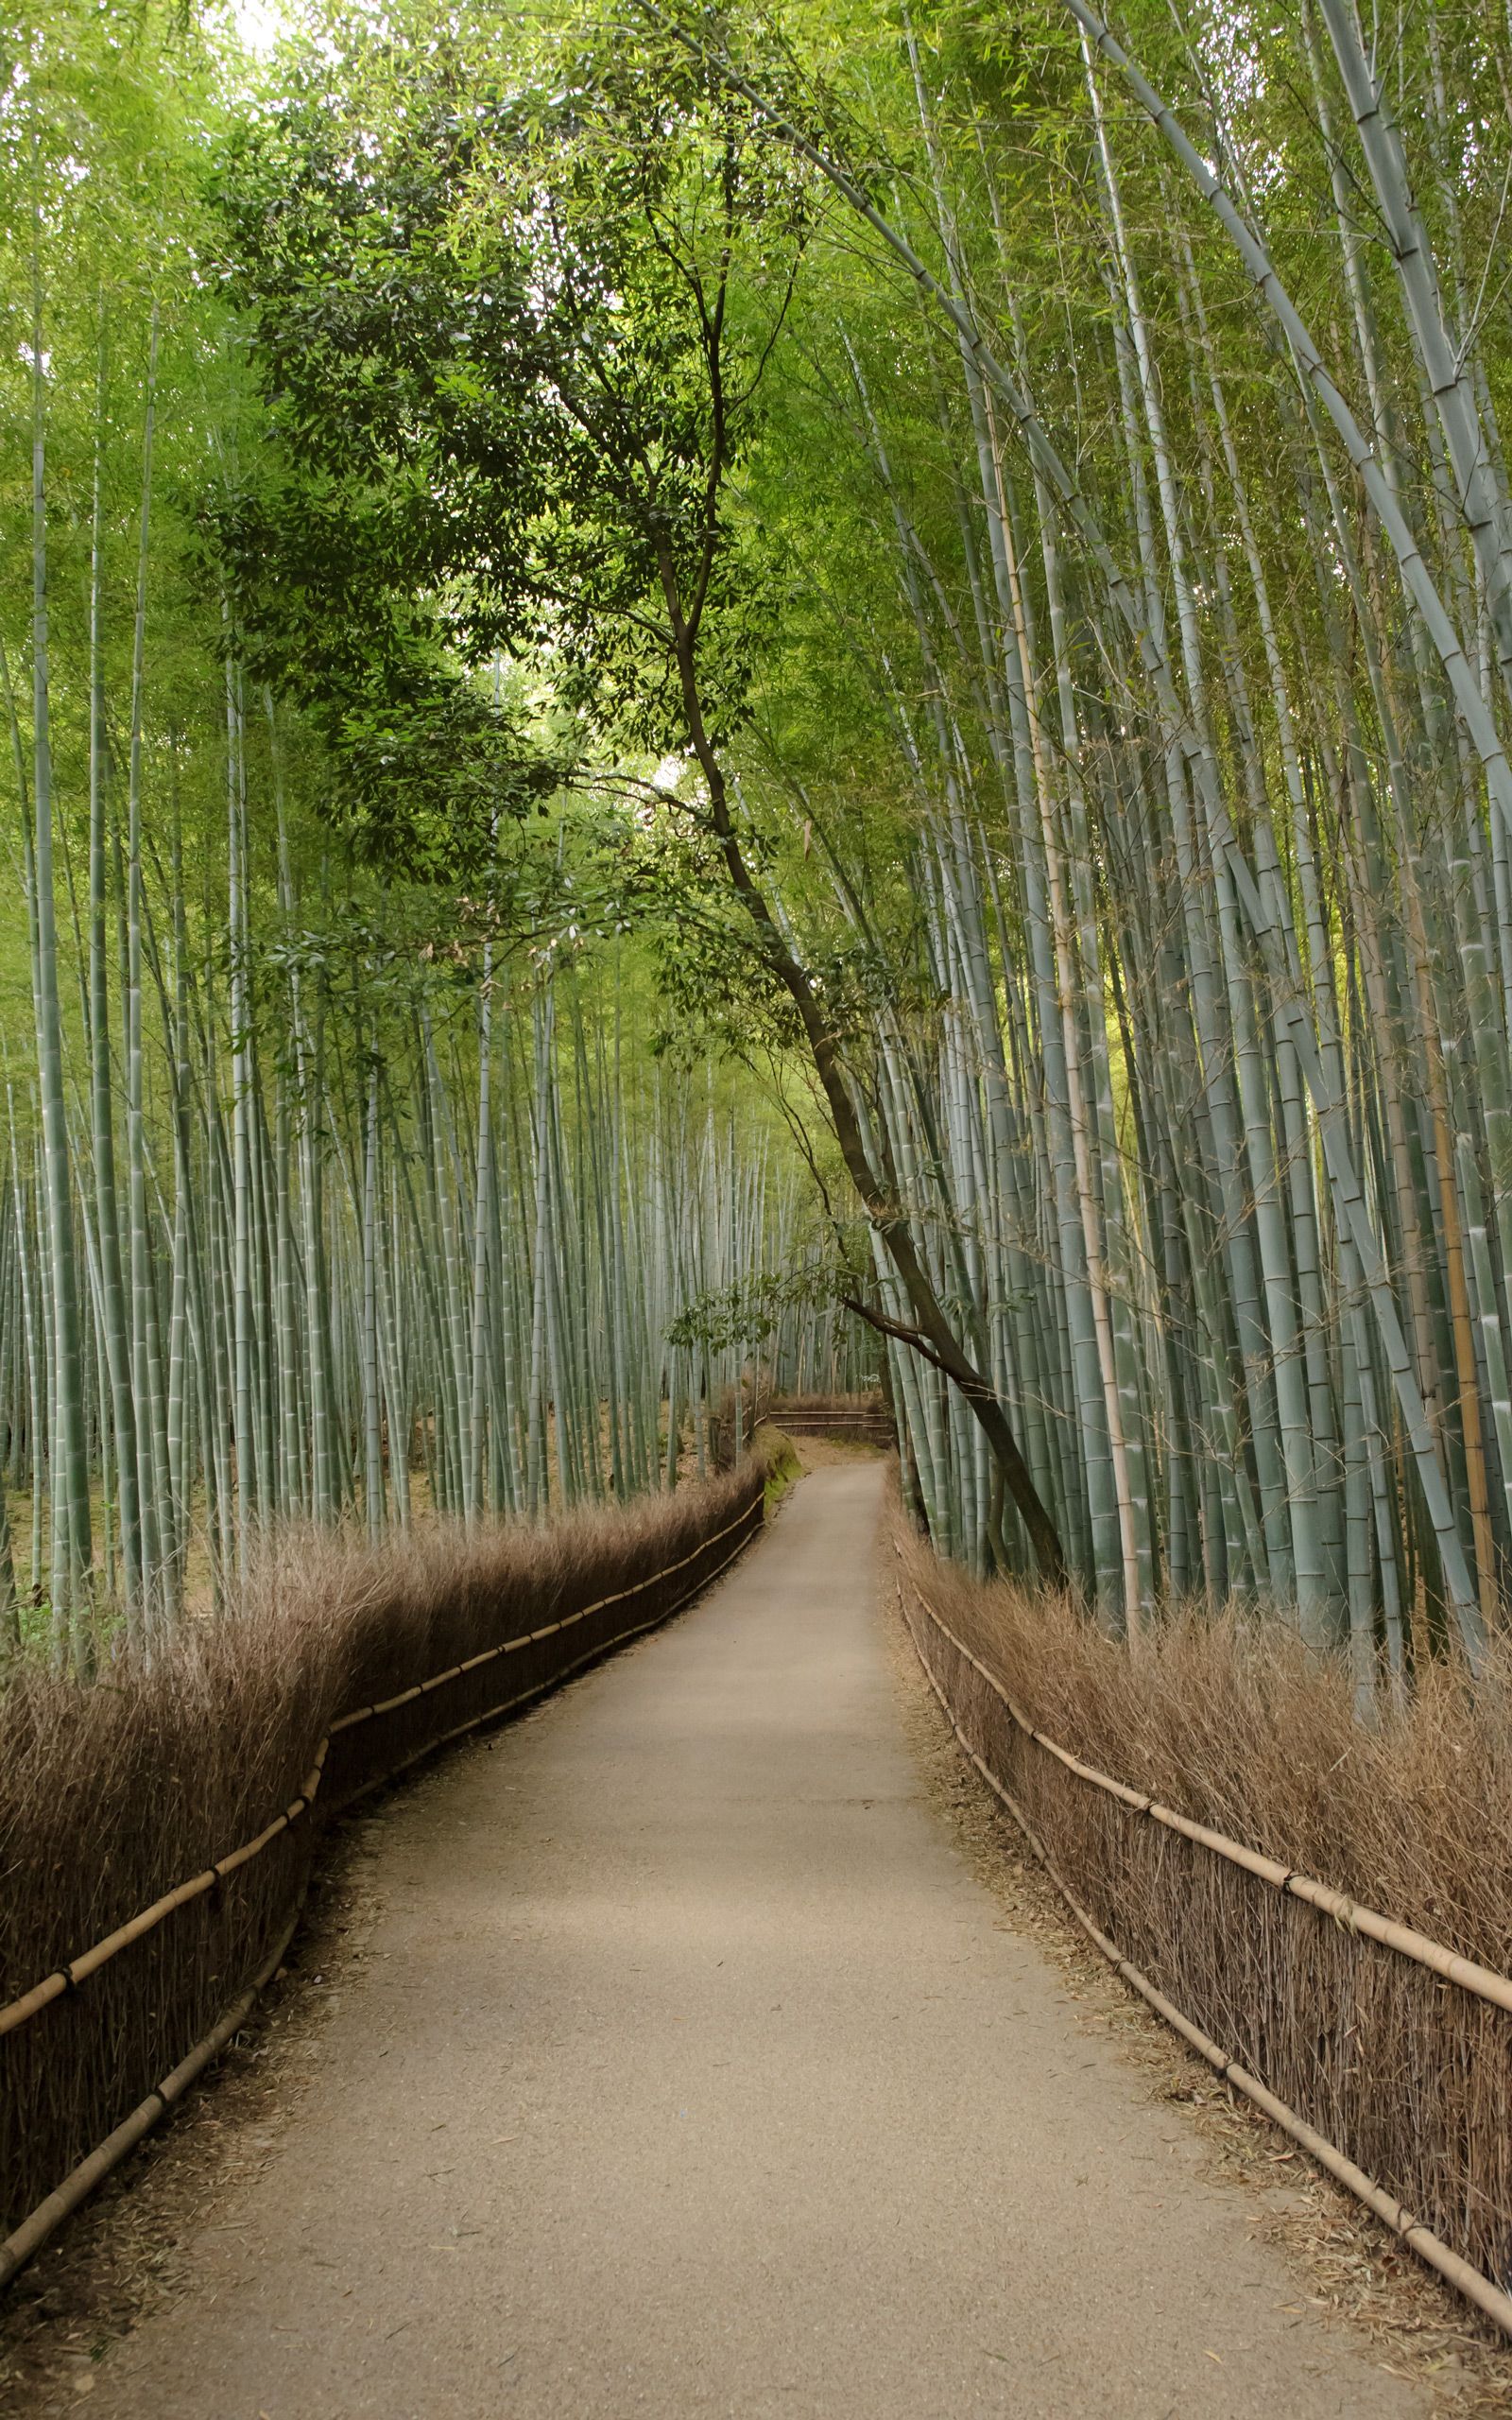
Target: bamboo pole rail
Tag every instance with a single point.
(27, 2239)
(1482, 1981)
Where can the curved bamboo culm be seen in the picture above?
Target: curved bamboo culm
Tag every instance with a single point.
(26, 2239)
(1467, 2280)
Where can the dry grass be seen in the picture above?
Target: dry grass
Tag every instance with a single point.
(112, 1794)
(1235, 1723)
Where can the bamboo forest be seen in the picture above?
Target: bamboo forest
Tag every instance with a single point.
(729, 724)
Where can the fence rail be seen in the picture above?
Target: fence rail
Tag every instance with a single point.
(811, 1421)
(1312, 2004)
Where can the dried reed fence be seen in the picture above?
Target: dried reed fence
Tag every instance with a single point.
(156, 1829)
(1387, 2053)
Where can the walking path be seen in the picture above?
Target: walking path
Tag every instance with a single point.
(692, 2072)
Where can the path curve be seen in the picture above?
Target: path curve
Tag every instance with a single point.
(692, 2072)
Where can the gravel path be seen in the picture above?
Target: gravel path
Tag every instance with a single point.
(690, 2071)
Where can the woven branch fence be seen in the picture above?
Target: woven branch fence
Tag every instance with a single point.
(91, 2054)
(1386, 2055)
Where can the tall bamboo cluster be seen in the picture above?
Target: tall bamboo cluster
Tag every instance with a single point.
(1194, 670)
(309, 1209)
(1138, 708)
(340, 1254)
(326, 1192)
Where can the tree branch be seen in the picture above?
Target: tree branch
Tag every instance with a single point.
(895, 1328)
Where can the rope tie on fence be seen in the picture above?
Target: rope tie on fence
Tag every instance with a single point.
(1467, 2280)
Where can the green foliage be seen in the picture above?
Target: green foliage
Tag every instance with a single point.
(482, 295)
(747, 1314)
(783, 1467)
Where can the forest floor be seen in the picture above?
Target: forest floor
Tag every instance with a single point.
(692, 2048)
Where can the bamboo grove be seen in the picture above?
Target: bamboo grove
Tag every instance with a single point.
(1117, 743)
(324, 1196)
(1202, 725)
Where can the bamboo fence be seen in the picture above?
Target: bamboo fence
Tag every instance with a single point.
(1387, 2058)
(79, 2047)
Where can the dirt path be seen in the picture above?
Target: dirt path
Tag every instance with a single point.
(692, 2071)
